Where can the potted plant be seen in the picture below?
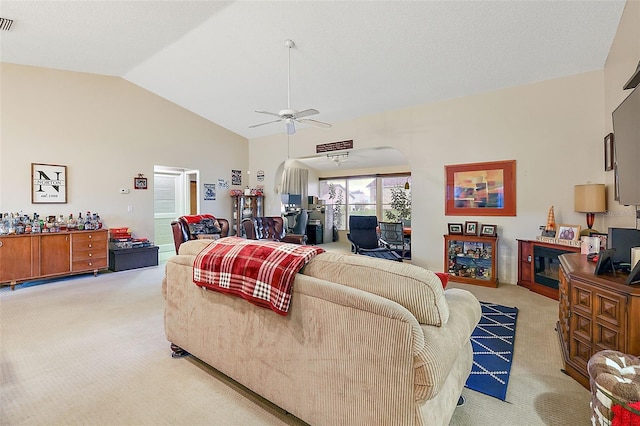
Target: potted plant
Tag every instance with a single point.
(400, 205)
(336, 197)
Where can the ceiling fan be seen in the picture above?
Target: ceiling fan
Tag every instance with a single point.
(291, 116)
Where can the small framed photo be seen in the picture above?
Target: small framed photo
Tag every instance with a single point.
(568, 232)
(140, 183)
(608, 152)
(488, 230)
(455, 229)
(470, 228)
(602, 238)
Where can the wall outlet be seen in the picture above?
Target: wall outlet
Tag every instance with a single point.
(124, 190)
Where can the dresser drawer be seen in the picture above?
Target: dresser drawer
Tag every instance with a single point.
(89, 238)
(89, 264)
(89, 254)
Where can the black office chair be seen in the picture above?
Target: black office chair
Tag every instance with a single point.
(392, 235)
(363, 235)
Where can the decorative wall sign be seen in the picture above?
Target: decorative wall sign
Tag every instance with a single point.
(48, 183)
(236, 177)
(481, 189)
(334, 146)
(223, 184)
(209, 191)
(140, 182)
(260, 175)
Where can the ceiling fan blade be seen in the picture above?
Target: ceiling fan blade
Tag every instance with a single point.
(306, 113)
(267, 112)
(315, 123)
(262, 124)
(291, 127)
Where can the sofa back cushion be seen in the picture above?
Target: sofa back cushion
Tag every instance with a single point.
(417, 289)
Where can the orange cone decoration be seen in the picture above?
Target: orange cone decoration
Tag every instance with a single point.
(551, 221)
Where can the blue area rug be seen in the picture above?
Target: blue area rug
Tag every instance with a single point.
(492, 342)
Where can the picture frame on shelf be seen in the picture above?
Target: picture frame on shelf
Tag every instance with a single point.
(568, 232)
(471, 228)
(488, 230)
(481, 189)
(48, 184)
(608, 152)
(602, 238)
(455, 229)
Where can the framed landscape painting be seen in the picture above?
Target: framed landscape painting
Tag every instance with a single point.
(481, 189)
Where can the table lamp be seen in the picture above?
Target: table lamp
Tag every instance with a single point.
(590, 199)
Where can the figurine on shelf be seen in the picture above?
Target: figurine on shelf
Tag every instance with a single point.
(550, 228)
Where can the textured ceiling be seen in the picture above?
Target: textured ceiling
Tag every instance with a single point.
(223, 60)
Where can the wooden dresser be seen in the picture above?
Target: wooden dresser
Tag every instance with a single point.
(28, 257)
(596, 312)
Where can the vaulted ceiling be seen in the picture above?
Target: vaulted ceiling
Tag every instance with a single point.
(223, 60)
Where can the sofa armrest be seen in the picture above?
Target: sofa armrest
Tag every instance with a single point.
(443, 344)
(294, 239)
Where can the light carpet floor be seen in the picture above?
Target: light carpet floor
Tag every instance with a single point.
(91, 350)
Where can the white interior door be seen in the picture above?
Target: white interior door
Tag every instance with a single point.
(169, 200)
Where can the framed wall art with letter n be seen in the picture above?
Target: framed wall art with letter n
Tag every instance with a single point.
(48, 183)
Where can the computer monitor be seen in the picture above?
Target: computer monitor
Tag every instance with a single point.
(623, 239)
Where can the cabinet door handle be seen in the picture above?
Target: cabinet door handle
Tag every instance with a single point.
(529, 258)
(0, 243)
(90, 246)
(90, 254)
(90, 264)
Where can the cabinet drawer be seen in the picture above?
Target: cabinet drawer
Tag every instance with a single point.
(89, 254)
(89, 245)
(89, 265)
(82, 239)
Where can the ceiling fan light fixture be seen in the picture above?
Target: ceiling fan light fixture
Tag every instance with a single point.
(338, 158)
(291, 127)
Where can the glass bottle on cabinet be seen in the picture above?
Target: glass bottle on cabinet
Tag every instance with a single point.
(471, 259)
(245, 207)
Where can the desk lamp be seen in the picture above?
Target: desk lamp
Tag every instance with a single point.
(590, 199)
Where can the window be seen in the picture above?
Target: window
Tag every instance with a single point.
(396, 199)
(364, 196)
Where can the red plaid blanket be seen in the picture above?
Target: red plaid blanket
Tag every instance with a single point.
(261, 272)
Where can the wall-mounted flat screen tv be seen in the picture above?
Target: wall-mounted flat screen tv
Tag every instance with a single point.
(626, 144)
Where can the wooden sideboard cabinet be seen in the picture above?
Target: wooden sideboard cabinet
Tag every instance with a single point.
(539, 267)
(596, 312)
(34, 256)
(471, 259)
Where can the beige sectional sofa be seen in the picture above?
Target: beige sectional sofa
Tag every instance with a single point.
(366, 341)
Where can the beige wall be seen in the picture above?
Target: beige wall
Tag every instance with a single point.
(553, 129)
(623, 59)
(106, 131)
